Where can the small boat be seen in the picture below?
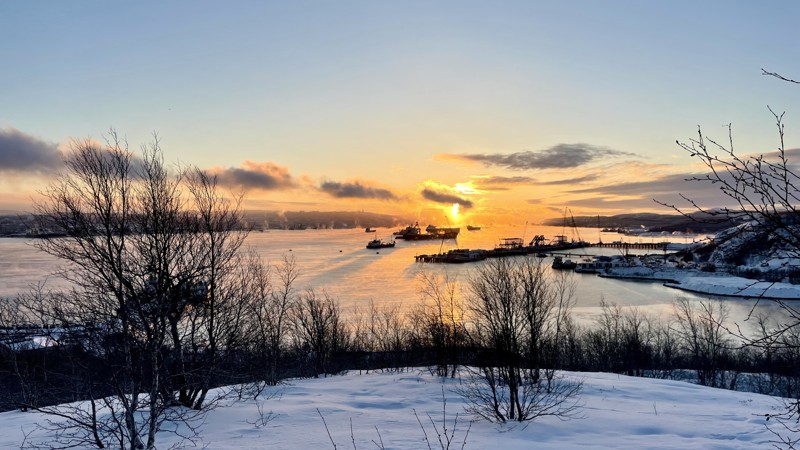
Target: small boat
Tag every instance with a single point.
(369, 230)
(473, 228)
(600, 264)
(565, 264)
(377, 243)
(588, 266)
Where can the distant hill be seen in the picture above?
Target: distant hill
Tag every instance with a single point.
(320, 219)
(695, 223)
(15, 224)
(19, 225)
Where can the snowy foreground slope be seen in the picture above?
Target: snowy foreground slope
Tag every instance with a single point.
(620, 412)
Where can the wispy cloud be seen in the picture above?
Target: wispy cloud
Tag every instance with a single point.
(669, 183)
(265, 176)
(20, 152)
(561, 156)
(356, 189)
(642, 194)
(569, 181)
(500, 183)
(445, 197)
(503, 181)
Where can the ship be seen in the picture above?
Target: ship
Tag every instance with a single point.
(415, 233)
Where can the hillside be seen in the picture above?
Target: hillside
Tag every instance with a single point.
(321, 219)
(363, 411)
(759, 254)
(22, 224)
(695, 223)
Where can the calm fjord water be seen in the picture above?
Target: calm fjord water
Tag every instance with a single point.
(338, 262)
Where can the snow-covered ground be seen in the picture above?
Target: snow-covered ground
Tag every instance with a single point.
(619, 413)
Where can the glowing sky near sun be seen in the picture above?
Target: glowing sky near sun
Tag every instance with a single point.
(469, 110)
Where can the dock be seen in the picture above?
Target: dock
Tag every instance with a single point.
(632, 245)
(513, 247)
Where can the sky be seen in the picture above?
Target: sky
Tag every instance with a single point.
(509, 110)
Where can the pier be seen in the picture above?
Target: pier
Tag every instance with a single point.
(514, 247)
(632, 245)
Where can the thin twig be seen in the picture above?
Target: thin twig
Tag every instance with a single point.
(423, 430)
(352, 436)
(378, 444)
(326, 428)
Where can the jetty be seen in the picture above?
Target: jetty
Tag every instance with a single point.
(516, 247)
(507, 247)
(633, 245)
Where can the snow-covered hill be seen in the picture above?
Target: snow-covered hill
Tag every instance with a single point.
(619, 412)
(749, 248)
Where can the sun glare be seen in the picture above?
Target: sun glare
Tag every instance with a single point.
(454, 211)
(466, 188)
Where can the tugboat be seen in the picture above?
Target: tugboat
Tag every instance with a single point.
(377, 243)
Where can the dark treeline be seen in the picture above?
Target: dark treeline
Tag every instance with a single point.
(289, 334)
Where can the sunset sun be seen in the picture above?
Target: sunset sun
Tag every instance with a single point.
(454, 211)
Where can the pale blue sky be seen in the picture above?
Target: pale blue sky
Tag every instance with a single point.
(372, 91)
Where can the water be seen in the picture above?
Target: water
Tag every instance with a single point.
(338, 262)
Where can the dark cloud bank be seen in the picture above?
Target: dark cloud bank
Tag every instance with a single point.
(20, 152)
(443, 197)
(257, 176)
(561, 156)
(355, 190)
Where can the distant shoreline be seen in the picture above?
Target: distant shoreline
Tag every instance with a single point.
(721, 285)
(738, 287)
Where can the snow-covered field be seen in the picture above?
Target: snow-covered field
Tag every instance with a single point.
(619, 413)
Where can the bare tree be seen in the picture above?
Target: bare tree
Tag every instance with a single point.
(441, 316)
(140, 254)
(762, 188)
(704, 337)
(319, 331)
(217, 309)
(763, 192)
(512, 306)
(273, 296)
